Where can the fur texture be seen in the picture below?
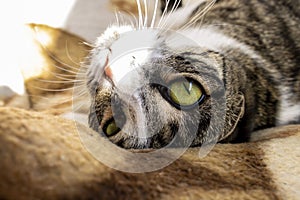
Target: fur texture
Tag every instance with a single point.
(245, 55)
(42, 158)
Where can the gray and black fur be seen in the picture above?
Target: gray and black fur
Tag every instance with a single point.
(255, 89)
(271, 28)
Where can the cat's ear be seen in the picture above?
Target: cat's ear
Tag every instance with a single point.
(52, 59)
(234, 113)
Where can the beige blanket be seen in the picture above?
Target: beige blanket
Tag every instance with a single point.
(42, 156)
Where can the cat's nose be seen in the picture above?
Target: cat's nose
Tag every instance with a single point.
(108, 72)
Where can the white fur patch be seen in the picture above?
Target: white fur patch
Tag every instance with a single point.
(111, 34)
(288, 111)
(103, 51)
(130, 51)
(124, 48)
(213, 39)
(209, 38)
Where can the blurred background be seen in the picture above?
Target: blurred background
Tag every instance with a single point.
(86, 18)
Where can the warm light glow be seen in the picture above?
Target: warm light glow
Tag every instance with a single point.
(50, 12)
(13, 15)
(30, 61)
(43, 38)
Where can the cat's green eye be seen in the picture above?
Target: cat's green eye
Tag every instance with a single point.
(111, 128)
(185, 93)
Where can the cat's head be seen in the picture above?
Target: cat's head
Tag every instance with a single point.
(152, 88)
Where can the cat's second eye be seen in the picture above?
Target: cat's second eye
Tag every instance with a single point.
(185, 93)
(111, 128)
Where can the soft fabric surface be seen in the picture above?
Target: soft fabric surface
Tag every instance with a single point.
(43, 158)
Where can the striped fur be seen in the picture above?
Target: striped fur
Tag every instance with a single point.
(43, 157)
(252, 47)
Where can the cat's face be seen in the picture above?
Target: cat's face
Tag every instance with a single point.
(154, 88)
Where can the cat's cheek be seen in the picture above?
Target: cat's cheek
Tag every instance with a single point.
(235, 109)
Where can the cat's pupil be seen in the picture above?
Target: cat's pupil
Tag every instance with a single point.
(111, 128)
(185, 93)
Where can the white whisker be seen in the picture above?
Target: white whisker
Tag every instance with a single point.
(117, 17)
(146, 14)
(78, 106)
(81, 93)
(164, 13)
(135, 19)
(140, 13)
(174, 7)
(69, 56)
(174, 21)
(57, 60)
(65, 81)
(56, 90)
(88, 44)
(154, 14)
(124, 19)
(70, 71)
(132, 23)
(42, 97)
(129, 20)
(199, 15)
(65, 76)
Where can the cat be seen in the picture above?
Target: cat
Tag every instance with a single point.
(212, 71)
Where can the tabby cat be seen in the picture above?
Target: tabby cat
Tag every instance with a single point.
(211, 71)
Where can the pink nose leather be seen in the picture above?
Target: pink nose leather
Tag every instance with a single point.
(108, 72)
